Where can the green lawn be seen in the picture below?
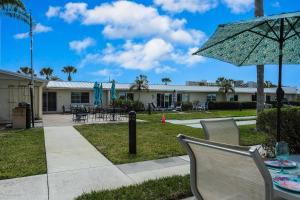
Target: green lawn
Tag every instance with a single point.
(198, 115)
(154, 140)
(22, 153)
(171, 188)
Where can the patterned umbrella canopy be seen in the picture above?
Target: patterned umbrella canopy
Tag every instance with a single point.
(96, 94)
(265, 40)
(113, 91)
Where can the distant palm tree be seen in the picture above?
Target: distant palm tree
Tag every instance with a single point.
(259, 12)
(166, 80)
(226, 85)
(46, 71)
(68, 70)
(269, 84)
(141, 83)
(55, 78)
(25, 70)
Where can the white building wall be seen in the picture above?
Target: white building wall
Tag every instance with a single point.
(14, 91)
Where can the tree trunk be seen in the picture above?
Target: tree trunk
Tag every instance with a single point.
(69, 77)
(259, 11)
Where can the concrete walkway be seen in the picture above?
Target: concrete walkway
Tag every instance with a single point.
(195, 123)
(75, 166)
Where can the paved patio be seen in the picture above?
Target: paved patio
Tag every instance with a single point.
(195, 123)
(54, 120)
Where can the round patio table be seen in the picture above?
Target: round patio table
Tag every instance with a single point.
(284, 193)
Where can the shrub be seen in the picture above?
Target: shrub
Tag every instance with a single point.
(230, 105)
(129, 105)
(290, 126)
(187, 106)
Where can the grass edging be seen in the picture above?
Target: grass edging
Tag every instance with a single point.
(171, 188)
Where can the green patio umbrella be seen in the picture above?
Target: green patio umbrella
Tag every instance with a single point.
(265, 40)
(113, 97)
(96, 94)
(100, 93)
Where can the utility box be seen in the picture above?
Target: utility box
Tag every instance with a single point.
(19, 117)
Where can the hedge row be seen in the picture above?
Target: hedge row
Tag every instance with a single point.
(231, 105)
(129, 105)
(290, 126)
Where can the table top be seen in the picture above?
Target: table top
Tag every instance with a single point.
(284, 193)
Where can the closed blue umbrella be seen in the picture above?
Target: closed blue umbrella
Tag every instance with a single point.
(100, 93)
(96, 94)
(113, 96)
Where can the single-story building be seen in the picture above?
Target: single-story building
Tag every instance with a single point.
(51, 96)
(14, 89)
(57, 94)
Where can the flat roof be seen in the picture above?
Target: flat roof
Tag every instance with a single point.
(152, 87)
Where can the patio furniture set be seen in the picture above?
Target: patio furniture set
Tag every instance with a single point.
(85, 112)
(222, 169)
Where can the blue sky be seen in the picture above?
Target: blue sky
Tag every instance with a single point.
(122, 39)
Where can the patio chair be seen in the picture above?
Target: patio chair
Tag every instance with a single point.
(220, 171)
(224, 131)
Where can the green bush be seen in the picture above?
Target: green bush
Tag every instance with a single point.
(231, 105)
(129, 105)
(290, 126)
(187, 106)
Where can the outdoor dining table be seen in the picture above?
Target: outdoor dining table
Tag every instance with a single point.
(284, 193)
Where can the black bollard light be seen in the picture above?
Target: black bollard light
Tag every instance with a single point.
(132, 132)
(149, 108)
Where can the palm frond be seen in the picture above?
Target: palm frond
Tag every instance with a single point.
(14, 11)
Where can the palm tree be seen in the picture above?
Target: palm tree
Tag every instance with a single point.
(166, 80)
(14, 9)
(259, 11)
(141, 83)
(46, 71)
(16, 3)
(25, 71)
(269, 84)
(226, 85)
(55, 78)
(68, 70)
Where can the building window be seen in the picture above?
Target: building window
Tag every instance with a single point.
(236, 97)
(254, 97)
(130, 96)
(179, 98)
(268, 98)
(122, 95)
(80, 97)
(185, 98)
(211, 97)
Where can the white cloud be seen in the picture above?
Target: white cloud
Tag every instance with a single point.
(38, 28)
(193, 6)
(164, 69)
(107, 73)
(239, 6)
(276, 4)
(128, 20)
(81, 45)
(73, 11)
(140, 56)
(53, 11)
(90, 59)
(187, 59)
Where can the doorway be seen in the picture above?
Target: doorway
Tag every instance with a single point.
(49, 101)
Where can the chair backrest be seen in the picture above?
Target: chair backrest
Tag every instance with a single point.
(223, 131)
(221, 171)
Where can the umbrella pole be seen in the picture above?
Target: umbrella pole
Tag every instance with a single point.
(280, 92)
